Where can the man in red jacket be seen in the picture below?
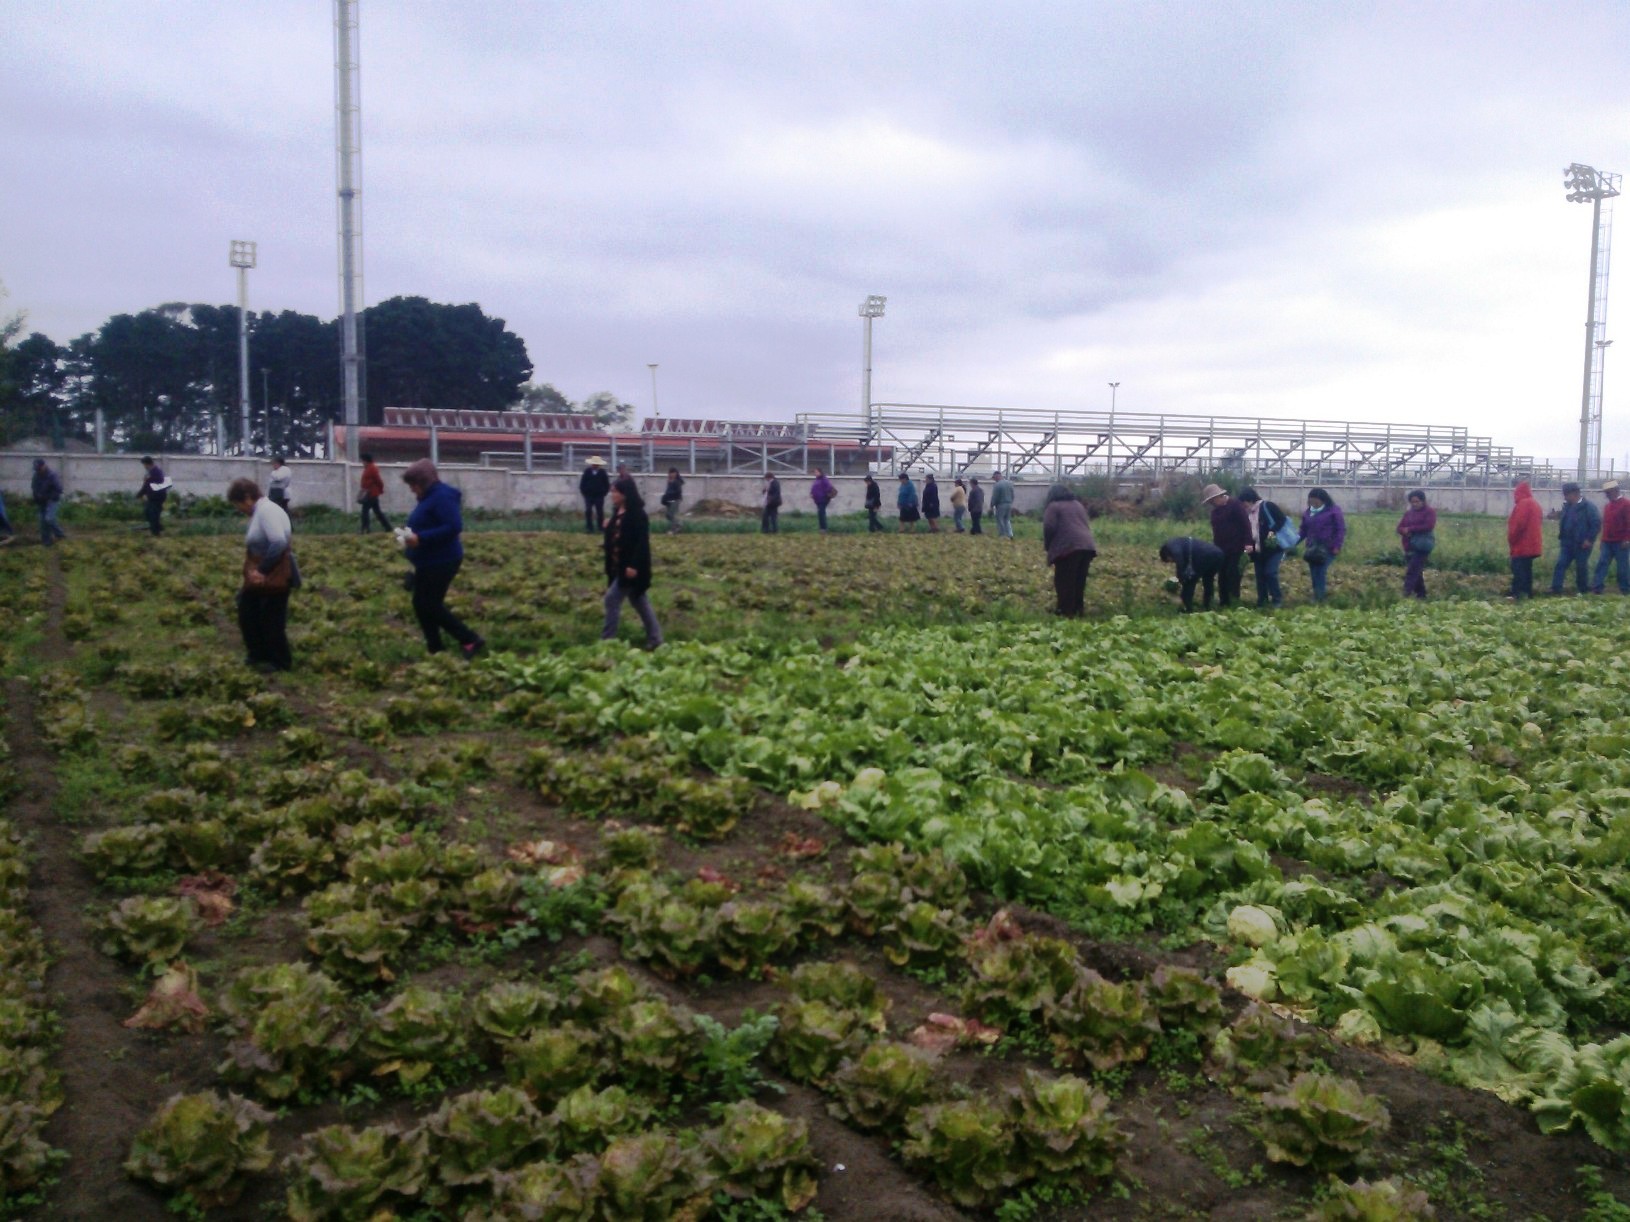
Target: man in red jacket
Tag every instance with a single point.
(1525, 533)
(1615, 539)
(369, 489)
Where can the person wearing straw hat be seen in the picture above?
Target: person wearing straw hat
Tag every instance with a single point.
(593, 485)
(1615, 539)
(1231, 532)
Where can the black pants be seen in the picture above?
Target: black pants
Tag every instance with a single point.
(430, 587)
(154, 510)
(1187, 584)
(594, 513)
(279, 498)
(1522, 576)
(1070, 582)
(370, 504)
(1228, 579)
(872, 524)
(263, 619)
(769, 522)
(975, 514)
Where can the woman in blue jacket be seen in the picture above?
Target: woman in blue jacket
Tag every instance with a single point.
(906, 501)
(436, 552)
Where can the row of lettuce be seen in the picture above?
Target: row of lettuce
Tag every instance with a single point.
(1458, 893)
(30, 1087)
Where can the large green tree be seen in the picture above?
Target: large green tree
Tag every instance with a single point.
(421, 353)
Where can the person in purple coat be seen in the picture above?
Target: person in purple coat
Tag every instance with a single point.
(1231, 532)
(823, 492)
(1415, 531)
(1324, 530)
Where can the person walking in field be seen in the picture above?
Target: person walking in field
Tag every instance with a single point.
(7, 534)
(672, 496)
(592, 486)
(959, 505)
(370, 487)
(155, 489)
(1231, 532)
(874, 505)
(279, 483)
(269, 574)
(628, 563)
(769, 521)
(1267, 521)
(1525, 537)
(1417, 531)
(1066, 536)
(823, 492)
(1324, 533)
(436, 551)
(1615, 539)
(976, 505)
(906, 501)
(931, 503)
(47, 492)
(1001, 504)
(1576, 533)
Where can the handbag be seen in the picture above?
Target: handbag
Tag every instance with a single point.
(1317, 553)
(279, 580)
(1423, 542)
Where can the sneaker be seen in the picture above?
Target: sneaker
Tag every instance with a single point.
(471, 650)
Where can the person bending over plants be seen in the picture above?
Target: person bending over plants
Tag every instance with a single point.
(269, 574)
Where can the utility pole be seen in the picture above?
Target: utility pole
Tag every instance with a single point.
(871, 308)
(1587, 183)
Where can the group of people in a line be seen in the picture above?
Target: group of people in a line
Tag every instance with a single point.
(967, 501)
(1578, 527)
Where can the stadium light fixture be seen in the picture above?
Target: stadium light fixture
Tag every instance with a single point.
(871, 308)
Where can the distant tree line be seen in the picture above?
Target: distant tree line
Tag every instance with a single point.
(163, 376)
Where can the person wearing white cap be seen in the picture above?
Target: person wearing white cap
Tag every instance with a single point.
(1615, 539)
(593, 484)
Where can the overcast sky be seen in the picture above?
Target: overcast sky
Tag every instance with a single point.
(1320, 211)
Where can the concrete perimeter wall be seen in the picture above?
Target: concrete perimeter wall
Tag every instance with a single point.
(321, 482)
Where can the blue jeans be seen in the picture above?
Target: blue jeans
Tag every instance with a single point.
(956, 516)
(1577, 557)
(1612, 552)
(1004, 521)
(1319, 573)
(1267, 565)
(50, 532)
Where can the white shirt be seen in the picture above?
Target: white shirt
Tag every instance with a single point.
(282, 477)
(269, 532)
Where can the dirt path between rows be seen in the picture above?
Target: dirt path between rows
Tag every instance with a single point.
(110, 1088)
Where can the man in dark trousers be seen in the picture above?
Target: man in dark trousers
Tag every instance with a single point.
(769, 522)
(1196, 563)
(1576, 531)
(47, 492)
(154, 490)
(594, 484)
(1231, 532)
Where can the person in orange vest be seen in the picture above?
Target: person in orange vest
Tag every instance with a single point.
(1525, 533)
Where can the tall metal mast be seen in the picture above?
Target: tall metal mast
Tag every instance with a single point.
(348, 150)
(871, 308)
(242, 257)
(1586, 183)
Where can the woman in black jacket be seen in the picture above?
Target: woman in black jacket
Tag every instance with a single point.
(874, 502)
(628, 562)
(1196, 562)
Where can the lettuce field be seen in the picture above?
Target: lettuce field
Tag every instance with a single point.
(876, 893)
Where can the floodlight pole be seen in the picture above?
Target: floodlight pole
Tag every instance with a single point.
(243, 258)
(871, 308)
(1587, 183)
(1113, 387)
(656, 412)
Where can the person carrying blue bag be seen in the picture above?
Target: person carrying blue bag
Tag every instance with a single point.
(1269, 525)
